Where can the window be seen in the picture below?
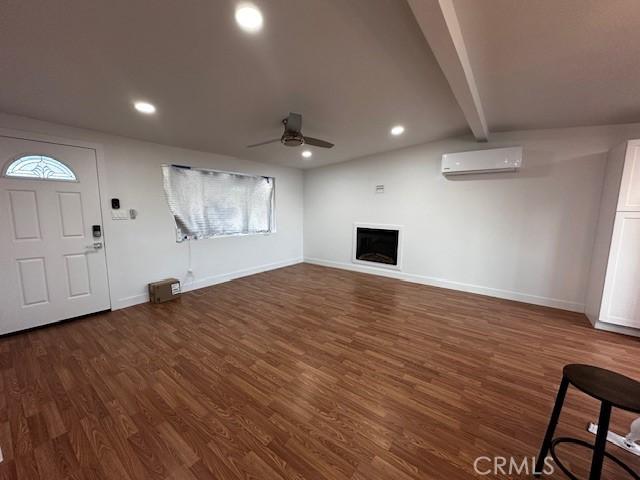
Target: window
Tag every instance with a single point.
(40, 167)
(208, 203)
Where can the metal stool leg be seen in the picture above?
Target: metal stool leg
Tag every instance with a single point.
(601, 441)
(551, 428)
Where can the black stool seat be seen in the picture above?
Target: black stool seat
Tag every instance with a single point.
(613, 390)
(605, 385)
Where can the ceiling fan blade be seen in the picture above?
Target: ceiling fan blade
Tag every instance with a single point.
(264, 143)
(293, 123)
(316, 142)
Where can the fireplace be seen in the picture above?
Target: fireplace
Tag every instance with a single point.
(377, 245)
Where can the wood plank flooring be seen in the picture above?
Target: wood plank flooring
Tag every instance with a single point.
(300, 373)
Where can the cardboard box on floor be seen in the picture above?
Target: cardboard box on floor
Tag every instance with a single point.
(164, 290)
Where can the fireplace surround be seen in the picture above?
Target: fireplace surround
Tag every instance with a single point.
(377, 245)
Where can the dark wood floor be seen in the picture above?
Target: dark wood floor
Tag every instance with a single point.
(302, 372)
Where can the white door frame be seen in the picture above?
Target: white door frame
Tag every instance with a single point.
(102, 183)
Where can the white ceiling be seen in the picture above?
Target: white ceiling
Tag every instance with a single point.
(352, 68)
(554, 63)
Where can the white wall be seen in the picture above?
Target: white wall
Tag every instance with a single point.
(143, 250)
(526, 236)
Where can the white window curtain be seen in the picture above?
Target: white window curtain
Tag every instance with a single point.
(208, 203)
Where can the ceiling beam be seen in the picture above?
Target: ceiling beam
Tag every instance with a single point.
(440, 26)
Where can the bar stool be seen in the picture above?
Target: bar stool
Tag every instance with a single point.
(613, 390)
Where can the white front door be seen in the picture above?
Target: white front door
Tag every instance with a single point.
(52, 267)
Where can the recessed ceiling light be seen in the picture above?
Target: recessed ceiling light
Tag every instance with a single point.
(307, 153)
(145, 107)
(249, 17)
(397, 130)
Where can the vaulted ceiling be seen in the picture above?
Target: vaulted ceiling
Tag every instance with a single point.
(554, 63)
(353, 68)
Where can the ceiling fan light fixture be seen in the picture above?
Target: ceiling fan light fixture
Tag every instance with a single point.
(307, 153)
(292, 139)
(292, 135)
(249, 17)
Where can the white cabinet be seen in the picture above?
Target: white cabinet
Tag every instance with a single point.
(621, 296)
(629, 200)
(613, 297)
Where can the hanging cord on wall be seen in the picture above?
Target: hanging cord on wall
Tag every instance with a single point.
(190, 277)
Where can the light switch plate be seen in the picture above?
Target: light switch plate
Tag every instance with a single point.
(120, 214)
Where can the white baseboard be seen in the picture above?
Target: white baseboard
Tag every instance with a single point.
(464, 287)
(206, 282)
(609, 327)
(592, 319)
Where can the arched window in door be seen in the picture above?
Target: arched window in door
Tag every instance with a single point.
(40, 167)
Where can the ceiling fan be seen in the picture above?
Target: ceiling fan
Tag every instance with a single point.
(292, 136)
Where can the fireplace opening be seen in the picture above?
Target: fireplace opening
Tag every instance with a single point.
(377, 245)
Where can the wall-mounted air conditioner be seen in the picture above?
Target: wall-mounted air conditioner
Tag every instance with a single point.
(482, 161)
